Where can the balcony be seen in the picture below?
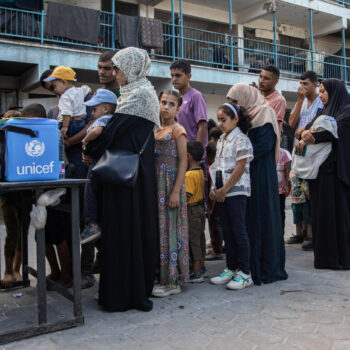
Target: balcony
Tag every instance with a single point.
(201, 47)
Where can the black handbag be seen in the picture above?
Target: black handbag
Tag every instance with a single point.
(119, 167)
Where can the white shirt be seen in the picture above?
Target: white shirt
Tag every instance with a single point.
(71, 102)
(229, 151)
(307, 114)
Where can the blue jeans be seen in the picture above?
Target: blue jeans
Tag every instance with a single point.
(232, 214)
(75, 126)
(92, 189)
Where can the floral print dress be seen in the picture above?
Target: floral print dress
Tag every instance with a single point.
(173, 225)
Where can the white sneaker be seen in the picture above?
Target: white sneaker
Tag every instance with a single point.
(240, 281)
(226, 276)
(165, 291)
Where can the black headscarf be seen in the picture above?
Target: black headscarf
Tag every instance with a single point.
(338, 107)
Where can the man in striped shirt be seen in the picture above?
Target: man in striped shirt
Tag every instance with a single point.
(308, 104)
(268, 80)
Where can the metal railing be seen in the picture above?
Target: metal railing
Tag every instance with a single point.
(216, 50)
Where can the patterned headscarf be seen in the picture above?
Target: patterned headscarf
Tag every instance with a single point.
(258, 110)
(138, 96)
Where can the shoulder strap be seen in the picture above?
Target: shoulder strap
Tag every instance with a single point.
(146, 142)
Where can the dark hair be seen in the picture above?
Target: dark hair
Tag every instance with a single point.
(44, 75)
(211, 149)
(35, 110)
(311, 75)
(215, 132)
(273, 69)
(243, 118)
(195, 149)
(172, 93)
(211, 124)
(106, 56)
(183, 65)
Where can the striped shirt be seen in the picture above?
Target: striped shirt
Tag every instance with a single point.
(101, 121)
(307, 114)
(278, 103)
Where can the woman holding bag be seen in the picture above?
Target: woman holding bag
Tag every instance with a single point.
(128, 214)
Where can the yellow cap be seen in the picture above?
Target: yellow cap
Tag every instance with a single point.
(62, 72)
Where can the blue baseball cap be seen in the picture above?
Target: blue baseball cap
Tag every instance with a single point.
(102, 96)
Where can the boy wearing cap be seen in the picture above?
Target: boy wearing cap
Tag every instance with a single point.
(103, 106)
(72, 111)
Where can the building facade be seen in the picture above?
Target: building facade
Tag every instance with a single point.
(223, 39)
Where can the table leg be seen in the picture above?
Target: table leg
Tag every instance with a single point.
(24, 238)
(41, 278)
(75, 221)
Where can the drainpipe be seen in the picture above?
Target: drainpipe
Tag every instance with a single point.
(113, 22)
(274, 34)
(173, 30)
(231, 40)
(181, 29)
(344, 55)
(311, 39)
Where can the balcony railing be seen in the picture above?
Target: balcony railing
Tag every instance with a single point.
(201, 47)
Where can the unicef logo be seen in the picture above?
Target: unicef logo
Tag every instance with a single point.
(35, 148)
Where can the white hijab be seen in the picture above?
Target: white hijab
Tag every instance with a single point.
(138, 96)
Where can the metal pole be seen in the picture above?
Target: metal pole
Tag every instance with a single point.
(231, 40)
(173, 30)
(181, 29)
(275, 37)
(42, 27)
(113, 23)
(311, 39)
(344, 55)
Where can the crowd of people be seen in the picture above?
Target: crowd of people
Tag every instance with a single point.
(149, 231)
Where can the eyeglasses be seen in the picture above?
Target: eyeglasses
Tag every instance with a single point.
(115, 68)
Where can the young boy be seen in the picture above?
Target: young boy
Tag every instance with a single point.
(103, 106)
(72, 111)
(300, 210)
(194, 181)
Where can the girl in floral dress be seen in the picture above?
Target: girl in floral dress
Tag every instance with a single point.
(171, 164)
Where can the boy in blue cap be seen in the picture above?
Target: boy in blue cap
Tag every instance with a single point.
(103, 105)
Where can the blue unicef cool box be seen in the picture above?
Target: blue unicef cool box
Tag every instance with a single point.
(29, 149)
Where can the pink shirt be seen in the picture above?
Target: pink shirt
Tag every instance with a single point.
(278, 103)
(283, 158)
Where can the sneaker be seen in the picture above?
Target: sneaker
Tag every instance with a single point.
(296, 239)
(226, 276)
(165, 291)
(213, 257)
(307, 245)
(196, 277)
(203, 271)
(90, 233)
(87, 280)
(240, 281)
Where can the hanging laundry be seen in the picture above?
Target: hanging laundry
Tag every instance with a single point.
(151, 33)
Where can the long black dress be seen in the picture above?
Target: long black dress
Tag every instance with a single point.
(129, 220)
(263, 212)
(330, 215)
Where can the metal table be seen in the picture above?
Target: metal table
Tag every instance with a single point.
(40, 274)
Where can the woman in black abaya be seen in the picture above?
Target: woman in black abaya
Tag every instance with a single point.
(330, 191)
(129, 219)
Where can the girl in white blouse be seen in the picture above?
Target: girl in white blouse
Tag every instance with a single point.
(231, 188)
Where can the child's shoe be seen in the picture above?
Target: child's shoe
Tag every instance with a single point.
(165, 291)
(226, 276)
(240, 281)
(91, 233)
(196, 277)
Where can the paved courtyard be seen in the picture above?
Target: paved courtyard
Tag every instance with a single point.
(311, 310)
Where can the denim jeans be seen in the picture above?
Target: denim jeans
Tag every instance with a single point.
(232, 214)
(91, 197)
(75, 126)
